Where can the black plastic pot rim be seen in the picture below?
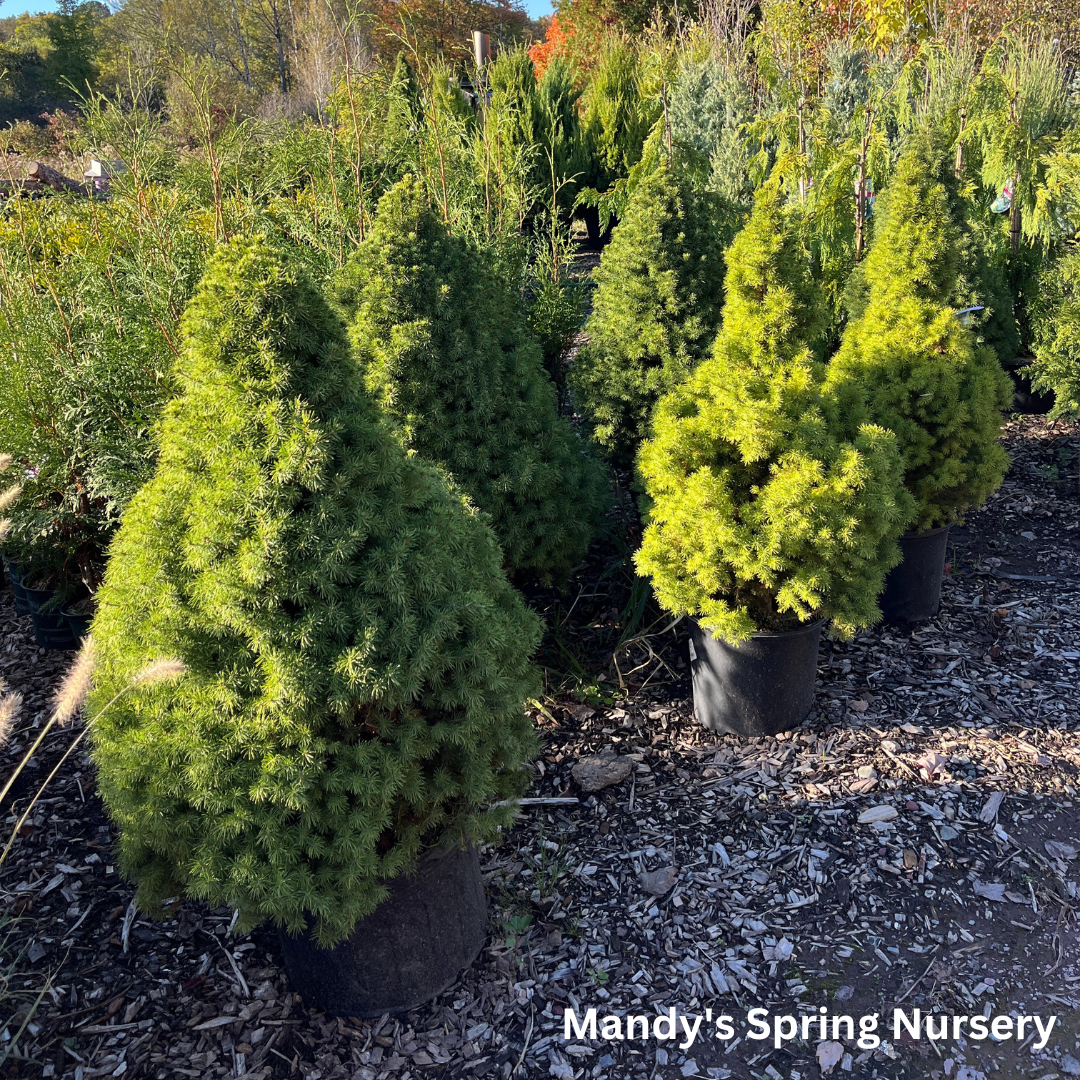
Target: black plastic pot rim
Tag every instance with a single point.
(805, 629)
(928, 532)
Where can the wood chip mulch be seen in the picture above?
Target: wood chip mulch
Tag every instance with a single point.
(916, 841)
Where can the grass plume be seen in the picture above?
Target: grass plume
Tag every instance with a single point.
(159, 671)
(76, 685)
(9, 709)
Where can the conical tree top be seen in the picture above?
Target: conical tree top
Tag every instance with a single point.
(915, 253)
(443, 344)
(923, 375)
(357, 664)
(772, 307)
(764, 364)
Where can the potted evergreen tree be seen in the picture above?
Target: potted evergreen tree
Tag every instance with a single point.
(770, 512)
(924, 375)
(444, 347)
(655, 310)
(352, 712)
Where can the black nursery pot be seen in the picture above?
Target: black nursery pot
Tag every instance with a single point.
(18, 590)
(78, 624)
(913, 589)
(409, 949)
(51, 628)
(1026, 399)
(760, 687)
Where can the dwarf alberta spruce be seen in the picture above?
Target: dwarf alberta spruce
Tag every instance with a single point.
(357, 663)
(767, 509)
(925, 376)
(656, 308)
(445, 350)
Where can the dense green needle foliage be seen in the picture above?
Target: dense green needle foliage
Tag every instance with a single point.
(357, 664)
(767, 508)
(926, 377)
(655, 311)
(1057, 334)
(444, 347)
(617, 115)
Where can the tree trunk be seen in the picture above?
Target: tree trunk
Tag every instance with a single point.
(860, 191)
(243, 47)
(1014, 216)
(802, 152)
(958, 168)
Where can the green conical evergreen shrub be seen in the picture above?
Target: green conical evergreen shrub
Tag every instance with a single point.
(562, 160)
(617, 114)
(1056, 319)
(925, 376)
(655, 310)
(768, 508)
(357, 664)
(444, 347)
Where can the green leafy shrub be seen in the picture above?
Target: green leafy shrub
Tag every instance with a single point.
(655, 309)
(1056, 324)
(90, 296)
(357, 663)
(926, 378)
(556, 308)
(769, 508)
(444, 347)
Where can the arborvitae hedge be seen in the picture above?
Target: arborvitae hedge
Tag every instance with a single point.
(655, 311)
(769, 508)
(357, 664)
(444, 347)
(926, 377)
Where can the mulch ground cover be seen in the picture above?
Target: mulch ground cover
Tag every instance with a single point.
(914, 844)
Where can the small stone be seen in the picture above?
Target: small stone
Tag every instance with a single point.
(596, 773)
(844, 993)
(990, 890)
(689, 1068)
(878, 813)
(658, 882)
(1070, 1066)
(829, 1055)
(947, 832)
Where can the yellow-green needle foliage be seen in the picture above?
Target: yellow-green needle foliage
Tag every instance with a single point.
(356, 662)
(655, 311)
(768, 509)
(925, 376)
(444, 348)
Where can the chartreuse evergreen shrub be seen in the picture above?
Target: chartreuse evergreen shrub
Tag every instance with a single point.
(443, 344)
(655, 310)
(769, 508)
(926, 377)
(357, 663)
